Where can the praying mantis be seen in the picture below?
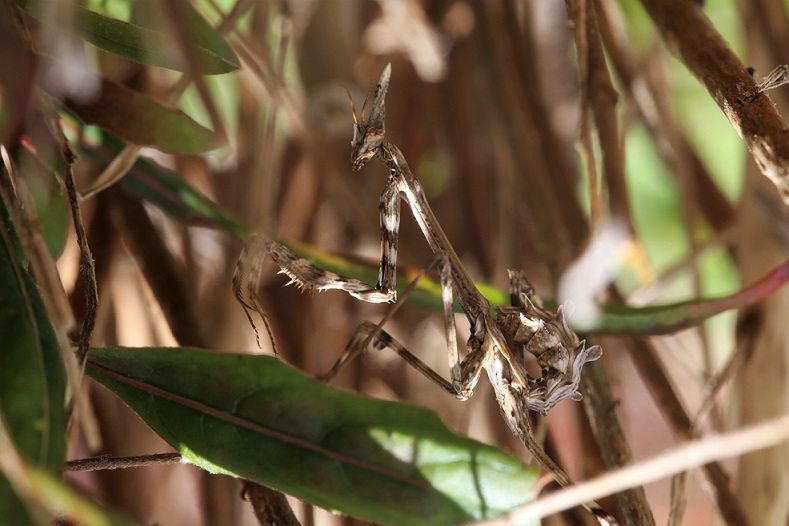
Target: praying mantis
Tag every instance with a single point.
(498, 343)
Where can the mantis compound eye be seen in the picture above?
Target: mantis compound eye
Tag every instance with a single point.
(366, 146)
(368, 133)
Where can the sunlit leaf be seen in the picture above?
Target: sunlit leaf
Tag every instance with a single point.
(147, 41)
(138, 119)
(32, 375)
(254, 417)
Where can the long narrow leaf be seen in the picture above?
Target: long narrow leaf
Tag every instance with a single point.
(138, 119)
(614, 319)
(151, 182)
(32, 374)
(666, 319)
(254, 417)
(145, 42)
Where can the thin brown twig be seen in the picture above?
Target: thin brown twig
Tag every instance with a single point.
(107, 462)
(601, 98)
(656, 379)
(600, 405)
(598, 104)
(658, 116)
(269, 505)
(690, 35)
(87, 268)
(577, 14)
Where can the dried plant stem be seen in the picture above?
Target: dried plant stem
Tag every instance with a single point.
(656, 379)
(106, 462)
(269, 506)
(614, 448)
(676, 460)
(599, 96)
(689, 34)
(658, 115)
(87, 268)
(161, 271)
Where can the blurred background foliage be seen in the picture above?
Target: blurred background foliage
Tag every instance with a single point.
(485, 102)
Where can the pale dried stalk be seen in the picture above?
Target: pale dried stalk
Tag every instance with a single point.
(666, 464)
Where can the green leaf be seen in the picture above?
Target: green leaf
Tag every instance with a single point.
(666, 319)
(147, 41)
(254, 417)
(32, 374)
(45, 188)
(151, 182)
(138, 119)
(614, 319)
(40, 162)
(169, 192)
(60, 500)
(426, 295)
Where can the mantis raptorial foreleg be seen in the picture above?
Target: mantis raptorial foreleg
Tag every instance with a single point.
(498, 344)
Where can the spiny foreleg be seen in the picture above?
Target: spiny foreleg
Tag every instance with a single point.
(306, 275)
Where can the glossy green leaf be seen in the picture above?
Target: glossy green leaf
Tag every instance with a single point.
(153, 183)
(147, 41)
(32, 374)
(138, 119)
(254, 417)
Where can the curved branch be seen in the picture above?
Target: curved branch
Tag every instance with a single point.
(689, 34)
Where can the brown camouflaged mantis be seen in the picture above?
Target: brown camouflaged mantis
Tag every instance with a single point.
(497, 344)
